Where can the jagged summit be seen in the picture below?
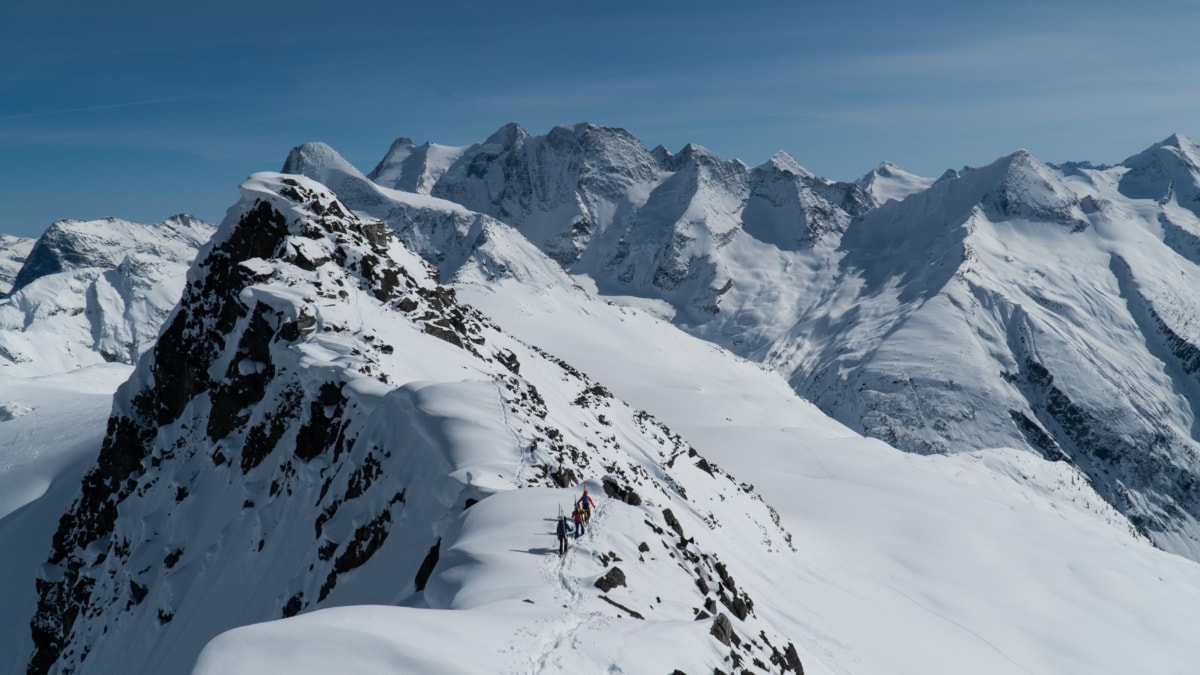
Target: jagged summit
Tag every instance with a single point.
(414, 168)
(782, 161)
(507, 136)
(1180, 142)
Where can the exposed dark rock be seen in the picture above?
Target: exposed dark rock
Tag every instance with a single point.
(722, 629)
(791, 660)
(509, 361)
(564, 477)
(673, 522)
(612, 578)
(322, 428)
(293, 606)
(263, 437)
(736, 605)
(245, 380)
(624, 494)
(427, 565)
(361, 479)
(137, 592)
(621, 607)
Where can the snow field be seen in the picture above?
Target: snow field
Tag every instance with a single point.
(993, 561)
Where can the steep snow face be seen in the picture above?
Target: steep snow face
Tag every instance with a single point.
(13, 252)
(443, 233)
(1165, 172)
(321, 424)
(95, 291)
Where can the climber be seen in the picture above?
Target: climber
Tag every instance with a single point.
(577, 516)
(585, 505)
(562, 535)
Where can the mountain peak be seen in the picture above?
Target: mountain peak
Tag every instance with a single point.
(315, 157)
(1022, 186)
(1178, 140)
(662, 155)
(785, 163)
(508, 135)
(888, 182)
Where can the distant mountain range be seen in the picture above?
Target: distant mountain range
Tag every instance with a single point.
(1019, 304)
(94, 291)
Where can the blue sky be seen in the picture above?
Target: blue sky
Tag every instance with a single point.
(145, 109)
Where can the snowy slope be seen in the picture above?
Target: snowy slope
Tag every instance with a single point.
(320, 424)
(994, 561)
(51, 428)
(94, 292)
(989, 562)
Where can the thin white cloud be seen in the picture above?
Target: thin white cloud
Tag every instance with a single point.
(87, 109)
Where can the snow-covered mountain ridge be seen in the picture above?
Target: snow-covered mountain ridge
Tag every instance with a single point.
(316, 418)
(1019, 304)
